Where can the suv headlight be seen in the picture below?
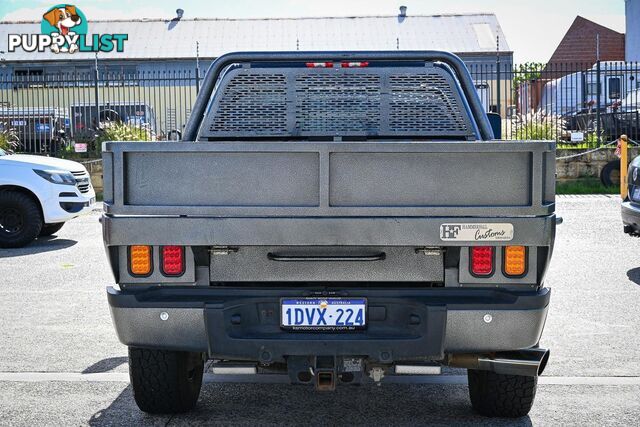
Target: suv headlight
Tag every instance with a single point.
(57, 177)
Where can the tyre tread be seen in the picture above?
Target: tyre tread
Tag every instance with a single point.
(33, 219)
(498, 395)
(159, 380)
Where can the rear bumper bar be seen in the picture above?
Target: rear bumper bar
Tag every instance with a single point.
(403, 324)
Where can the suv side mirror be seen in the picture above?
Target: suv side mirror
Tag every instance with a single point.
(496, 124)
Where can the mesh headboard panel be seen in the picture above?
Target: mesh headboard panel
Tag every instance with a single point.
(326, 102)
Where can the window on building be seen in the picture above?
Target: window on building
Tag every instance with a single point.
(614, 88)
(28, 77)
(25, 72)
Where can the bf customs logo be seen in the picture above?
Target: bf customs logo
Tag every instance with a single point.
(449, 231)
(64, 29)
(477, 232)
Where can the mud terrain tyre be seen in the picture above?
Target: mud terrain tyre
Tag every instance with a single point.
(20, 219)
(165, 382)
(498, 395)
(50, 229)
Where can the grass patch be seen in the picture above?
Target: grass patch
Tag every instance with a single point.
(99, 196)
(584, 186)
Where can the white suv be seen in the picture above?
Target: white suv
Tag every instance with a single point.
(38, 195)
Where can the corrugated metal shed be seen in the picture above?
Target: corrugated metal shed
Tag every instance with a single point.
(164, 39)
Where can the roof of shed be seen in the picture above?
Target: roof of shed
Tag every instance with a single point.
(176, 39)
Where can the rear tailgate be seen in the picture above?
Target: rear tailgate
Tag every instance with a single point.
(370, 206)
(330, 179)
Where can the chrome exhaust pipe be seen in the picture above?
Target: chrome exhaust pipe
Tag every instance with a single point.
(530, 362)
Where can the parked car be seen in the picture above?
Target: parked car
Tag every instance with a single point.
(86, 116)
(631, 206)
(38, 129)
(571, 93)
(38, 195)
(628, 116)
(336, 217)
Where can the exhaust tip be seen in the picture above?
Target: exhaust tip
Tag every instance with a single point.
(543, 360)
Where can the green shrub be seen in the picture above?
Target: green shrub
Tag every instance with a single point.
(538, 126)
(122, 132)
(536, 131)
(8, 139)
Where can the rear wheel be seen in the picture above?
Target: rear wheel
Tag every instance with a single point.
(165, 381)
(20, 219)
(498, 395)
(49, 229)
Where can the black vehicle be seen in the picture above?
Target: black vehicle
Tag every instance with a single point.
(631, 206)
(38, 129)
(334, 217)
(86, 116)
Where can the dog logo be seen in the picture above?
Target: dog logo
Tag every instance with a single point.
(65, 23)
(64, 28)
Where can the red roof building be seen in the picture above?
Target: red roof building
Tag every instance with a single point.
(579, 46)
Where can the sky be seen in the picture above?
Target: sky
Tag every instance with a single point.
(533, 28)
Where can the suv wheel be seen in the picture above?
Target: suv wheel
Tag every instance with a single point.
(498, 395)
(165, 381)
(20, 219)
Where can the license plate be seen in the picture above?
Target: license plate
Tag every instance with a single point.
(323, 314)
(636, 193)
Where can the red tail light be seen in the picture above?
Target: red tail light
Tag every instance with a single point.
(482, 260)
(359, 64)
(172, 260)
(319, 64)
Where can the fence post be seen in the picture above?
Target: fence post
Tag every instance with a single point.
(598, 95)
(498, 93)
(95, 88)
(623, 165)
(197, 79)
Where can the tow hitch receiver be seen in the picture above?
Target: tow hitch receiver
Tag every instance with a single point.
(325, 372)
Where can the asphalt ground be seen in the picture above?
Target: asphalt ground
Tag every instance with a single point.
(61, 364)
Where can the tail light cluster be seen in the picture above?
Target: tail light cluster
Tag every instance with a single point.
(172, 260)
(483, 260)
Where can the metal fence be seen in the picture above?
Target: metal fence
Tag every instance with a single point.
(578, 105)
(64, 113)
